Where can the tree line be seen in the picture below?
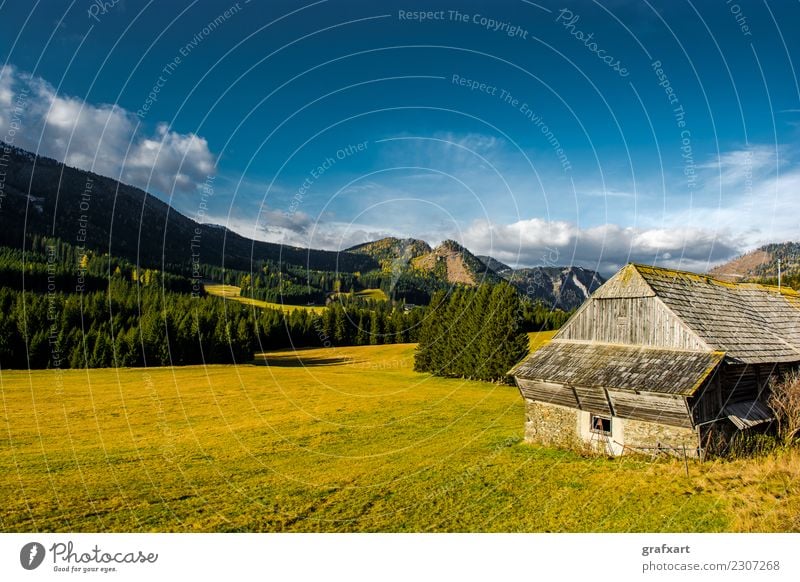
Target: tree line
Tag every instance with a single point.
(129, 324)
(62, 306)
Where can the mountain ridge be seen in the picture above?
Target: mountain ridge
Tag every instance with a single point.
(44, 197)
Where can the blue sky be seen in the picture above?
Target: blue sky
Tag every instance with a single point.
(588, 133)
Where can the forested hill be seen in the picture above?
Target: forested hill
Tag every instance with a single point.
(761, 265)
(44, 197)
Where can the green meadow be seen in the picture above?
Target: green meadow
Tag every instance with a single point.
(337, 440)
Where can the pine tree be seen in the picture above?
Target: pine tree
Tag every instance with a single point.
(375, 328)
(429, 332)
(399, 327)
(505, 342)
(339, 325)
(450, 345)
(474, 328)
(362, 334)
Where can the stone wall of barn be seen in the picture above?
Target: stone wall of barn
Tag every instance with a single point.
(550, 424)
(559, 426)
(650, 434)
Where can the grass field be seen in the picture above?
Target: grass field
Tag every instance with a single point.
(337, 439)
(232, 292)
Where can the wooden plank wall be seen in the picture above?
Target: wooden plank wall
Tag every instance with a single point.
(593, 400)
(548, 393)
(652, 408)
(649, 407)
(630, 320)
(734, 383)
(741, 382)
(707, 403)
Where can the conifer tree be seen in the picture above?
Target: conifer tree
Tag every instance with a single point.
(428, 332)
(362, 334)
(504, 341)
(339, 325)
(374, 328)
(474, 328)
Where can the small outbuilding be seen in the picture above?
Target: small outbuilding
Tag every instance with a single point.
(658, 359)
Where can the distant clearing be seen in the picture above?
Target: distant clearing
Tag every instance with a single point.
(374, 294)
(232, 292)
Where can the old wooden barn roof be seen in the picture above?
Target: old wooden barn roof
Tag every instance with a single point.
(752, 323)
(619, 367)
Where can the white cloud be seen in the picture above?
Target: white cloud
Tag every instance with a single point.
(6, 86)
(538, 242)
(741, 168)
(98, 137)
(751, 192)
(285, 223)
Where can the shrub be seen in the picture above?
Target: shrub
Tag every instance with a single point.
(785, 403)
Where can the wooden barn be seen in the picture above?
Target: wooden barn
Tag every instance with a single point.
(661, 359)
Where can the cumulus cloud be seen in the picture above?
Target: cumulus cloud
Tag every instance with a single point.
(749, 197)
(538, 242)
(103, 138)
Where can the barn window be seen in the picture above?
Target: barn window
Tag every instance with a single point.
(600, 424)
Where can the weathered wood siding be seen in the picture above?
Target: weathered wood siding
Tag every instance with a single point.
(671, 410)
(627, 282)
(734, 383)
(548, 392)
(593, 400)
(740, 383)
(707, 403)
(652, 408)
(631, 320)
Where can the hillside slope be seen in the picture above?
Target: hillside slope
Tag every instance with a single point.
(45, 197)
(494, 264)
(761, 264)
(392, 249)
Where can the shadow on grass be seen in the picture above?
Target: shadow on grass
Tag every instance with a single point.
(300, 360)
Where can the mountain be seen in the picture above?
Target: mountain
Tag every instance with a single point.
(42, 196)
(762, 264)
(449, 262)
(494, 264)
(562, 287)
(453, 263)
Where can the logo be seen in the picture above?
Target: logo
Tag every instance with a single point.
(31, 555)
